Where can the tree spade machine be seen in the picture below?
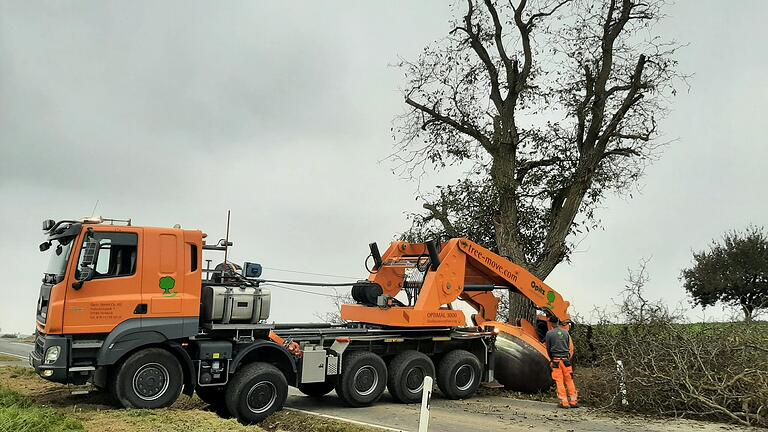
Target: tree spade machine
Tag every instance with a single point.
(433, 277)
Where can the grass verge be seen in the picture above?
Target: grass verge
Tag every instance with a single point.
(30, 404)
(19, 414)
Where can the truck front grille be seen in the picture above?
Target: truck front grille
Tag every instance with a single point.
(39, 343)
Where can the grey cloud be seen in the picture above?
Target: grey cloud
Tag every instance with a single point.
(174, 112)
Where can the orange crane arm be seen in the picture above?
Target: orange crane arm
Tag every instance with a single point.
(462, 269)
(541, 294)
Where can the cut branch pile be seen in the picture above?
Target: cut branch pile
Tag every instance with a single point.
(684, 370)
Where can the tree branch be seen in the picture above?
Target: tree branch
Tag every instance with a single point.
(442, 217)
(546, 14)
(526, 166)
(473, 31)
(623, 151)
(497, 27)
(633, 96)
(462, 126)
(525, 37)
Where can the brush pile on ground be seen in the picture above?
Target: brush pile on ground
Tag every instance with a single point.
(707, 370)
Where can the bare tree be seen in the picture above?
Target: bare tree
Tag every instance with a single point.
(549, 104)
(338, 299)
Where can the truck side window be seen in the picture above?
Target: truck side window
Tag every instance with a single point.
(193, 258)
(117, 254)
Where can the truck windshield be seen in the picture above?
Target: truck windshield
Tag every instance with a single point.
(60, 251)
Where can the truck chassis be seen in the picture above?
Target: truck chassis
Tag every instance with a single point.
(237, 369)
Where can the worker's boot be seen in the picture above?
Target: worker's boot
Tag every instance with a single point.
(573, 403)
(564, 404)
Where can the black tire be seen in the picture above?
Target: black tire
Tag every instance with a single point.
(406, 375)
(213, 396)
(317, 389)
(363, 378)
(459, 374)
(255, 392)
(150, 378)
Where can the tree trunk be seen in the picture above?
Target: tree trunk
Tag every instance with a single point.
(506, 220)
(747, 309)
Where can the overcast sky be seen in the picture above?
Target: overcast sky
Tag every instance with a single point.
(173, 112)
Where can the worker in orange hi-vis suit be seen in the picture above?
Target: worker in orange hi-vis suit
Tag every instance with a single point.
(558, 342)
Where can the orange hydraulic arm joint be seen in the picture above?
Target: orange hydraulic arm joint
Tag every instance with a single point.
(462, 269)
(541, 294)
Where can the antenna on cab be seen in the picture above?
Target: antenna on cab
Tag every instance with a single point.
(227, 244)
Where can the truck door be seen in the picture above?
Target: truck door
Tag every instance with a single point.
(163, 285)
(114, 292)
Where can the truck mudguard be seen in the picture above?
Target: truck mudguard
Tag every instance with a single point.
(268, 351)
(138, 332)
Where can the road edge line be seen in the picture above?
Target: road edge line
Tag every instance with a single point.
(332, 417)
(14, 355)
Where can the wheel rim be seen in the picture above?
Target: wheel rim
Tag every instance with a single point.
(414, 379)
(151, 381)
(366, 380)
(261, 397)
(465, 377)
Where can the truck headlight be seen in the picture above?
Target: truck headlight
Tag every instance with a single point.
(52, 354)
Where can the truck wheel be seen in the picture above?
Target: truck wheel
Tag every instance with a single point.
(150, 378)
(255, 392)
(317, 389)
(406, 375)
(363, 378)
(458, 374)
(213, 396)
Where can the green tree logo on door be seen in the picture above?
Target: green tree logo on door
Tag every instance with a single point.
(167, 284)
(550, 299)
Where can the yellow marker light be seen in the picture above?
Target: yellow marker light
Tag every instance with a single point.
(216, 355)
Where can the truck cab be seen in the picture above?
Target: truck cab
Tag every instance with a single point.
(120, 308)
(105, 280)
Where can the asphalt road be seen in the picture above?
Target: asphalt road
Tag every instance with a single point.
(493, 413)
(13, 348)
(486, 412)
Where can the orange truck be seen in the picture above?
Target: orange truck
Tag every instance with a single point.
(132, 311)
